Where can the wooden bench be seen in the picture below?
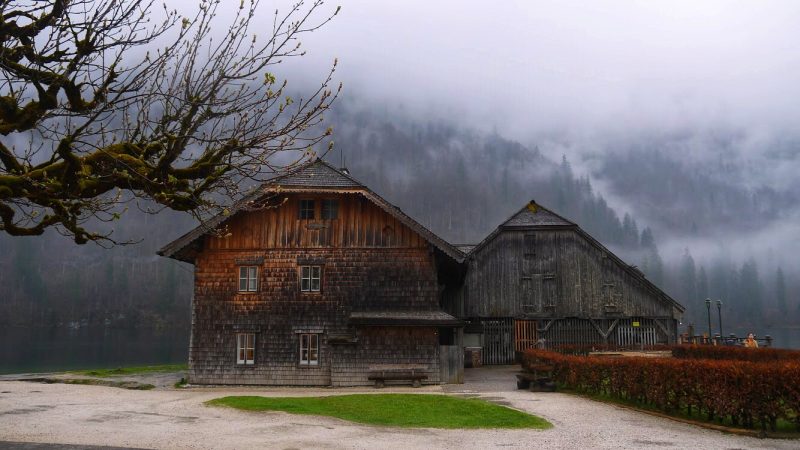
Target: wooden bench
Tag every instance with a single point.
(381, 376)
(538, 379)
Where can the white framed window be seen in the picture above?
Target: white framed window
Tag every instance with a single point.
(248, 278)
(246, 348)
(310, 277)
(309, 349)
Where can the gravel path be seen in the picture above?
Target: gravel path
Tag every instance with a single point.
(95, 415)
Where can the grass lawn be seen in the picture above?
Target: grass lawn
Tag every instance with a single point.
(400, 410)
(131, 370)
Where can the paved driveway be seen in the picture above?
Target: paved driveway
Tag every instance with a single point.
(104, 416)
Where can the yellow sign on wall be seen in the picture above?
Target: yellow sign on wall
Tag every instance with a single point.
(636, 324)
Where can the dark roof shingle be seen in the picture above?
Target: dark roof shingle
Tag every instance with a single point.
(317, 175)
(533, 215)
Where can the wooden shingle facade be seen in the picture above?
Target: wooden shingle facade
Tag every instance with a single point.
(325, 285)
(315, 280)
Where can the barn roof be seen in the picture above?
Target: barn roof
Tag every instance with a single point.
(316, 176)
(530, 216)
(534, 216)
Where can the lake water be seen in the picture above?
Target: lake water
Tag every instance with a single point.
(782, 337)
(54, 349)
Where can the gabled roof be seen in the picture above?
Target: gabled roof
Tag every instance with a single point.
(534, 216)
(531, 215)
(316, 175)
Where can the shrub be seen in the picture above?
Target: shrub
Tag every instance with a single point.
(746, 393)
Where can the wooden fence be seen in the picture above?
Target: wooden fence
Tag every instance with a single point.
(498, 341)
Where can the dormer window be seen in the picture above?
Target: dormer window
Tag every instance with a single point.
(330, 209)
(306, 210)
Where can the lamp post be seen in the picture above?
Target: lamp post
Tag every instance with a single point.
(708, 310)
(719, 314)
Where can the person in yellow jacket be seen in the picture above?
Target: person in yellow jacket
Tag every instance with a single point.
(750, 342)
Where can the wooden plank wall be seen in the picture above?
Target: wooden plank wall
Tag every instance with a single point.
(565, 277)
(360, 223)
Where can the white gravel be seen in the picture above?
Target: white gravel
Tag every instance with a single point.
(176, 419)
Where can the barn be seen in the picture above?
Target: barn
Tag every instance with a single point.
(313, 279)
(539, 278)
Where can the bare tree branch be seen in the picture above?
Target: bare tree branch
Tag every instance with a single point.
(86, 125)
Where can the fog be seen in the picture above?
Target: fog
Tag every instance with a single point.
(682, 114)
(607, 68)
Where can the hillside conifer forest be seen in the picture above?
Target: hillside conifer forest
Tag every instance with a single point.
(461, 183)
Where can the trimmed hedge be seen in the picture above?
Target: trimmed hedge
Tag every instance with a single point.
(734, 353)
(746, 393)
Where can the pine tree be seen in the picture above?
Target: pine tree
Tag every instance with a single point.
(750, 291)
(702, 283)
(647, 240)
(687, 277)
(780, 292)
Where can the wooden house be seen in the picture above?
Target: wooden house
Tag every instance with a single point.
(313, 279)
(540, 278)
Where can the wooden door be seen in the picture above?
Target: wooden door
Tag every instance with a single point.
(525, 335)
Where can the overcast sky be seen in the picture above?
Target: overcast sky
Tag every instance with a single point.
(573, 67)
(588, 74)
(577, 77)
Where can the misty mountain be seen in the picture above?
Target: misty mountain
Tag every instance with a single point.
(460, 183)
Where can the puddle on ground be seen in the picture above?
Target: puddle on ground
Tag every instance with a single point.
(127, 415)
(33, 409)
(307, 425)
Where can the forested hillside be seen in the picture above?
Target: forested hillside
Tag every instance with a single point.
(461, 184)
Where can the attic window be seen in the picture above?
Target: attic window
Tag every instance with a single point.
(306, 210)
